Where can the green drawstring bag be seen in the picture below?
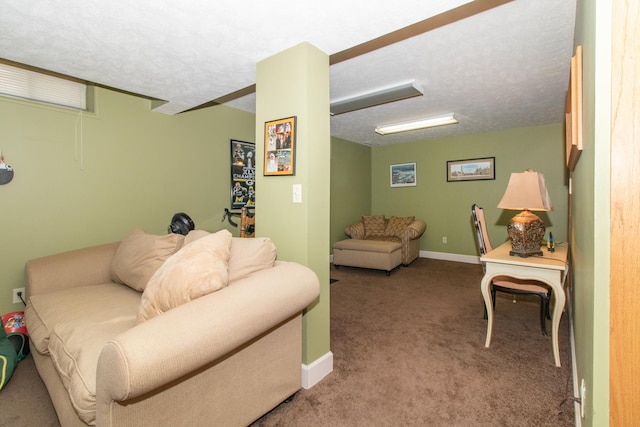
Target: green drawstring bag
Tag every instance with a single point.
(20, 344)
(8, 358)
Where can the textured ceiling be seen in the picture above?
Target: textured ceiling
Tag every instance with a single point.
(504, 67)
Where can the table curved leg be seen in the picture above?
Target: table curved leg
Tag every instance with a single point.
(558, 308)
(484, 287)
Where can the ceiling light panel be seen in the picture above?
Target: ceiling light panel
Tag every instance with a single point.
(377, 97)
(427, 122)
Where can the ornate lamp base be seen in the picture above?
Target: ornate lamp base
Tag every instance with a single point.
(526, 232)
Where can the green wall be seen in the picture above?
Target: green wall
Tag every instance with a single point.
(350, 185)
(85, 180)
(591, 212)
(446, 206)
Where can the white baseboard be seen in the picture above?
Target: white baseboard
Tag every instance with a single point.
(577, 403)
(469, 259)
(313, 373)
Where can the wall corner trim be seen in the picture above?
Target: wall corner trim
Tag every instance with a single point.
(313, 373)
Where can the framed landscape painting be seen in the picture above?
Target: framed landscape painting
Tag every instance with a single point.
(471, 169)
(403, 175)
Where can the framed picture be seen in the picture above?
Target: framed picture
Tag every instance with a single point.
(471, 169)
(403, 175)
(573, 111)
(243, 174)
(280, 147)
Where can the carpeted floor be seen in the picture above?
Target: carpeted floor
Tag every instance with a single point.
(408, 350)
(24, 402)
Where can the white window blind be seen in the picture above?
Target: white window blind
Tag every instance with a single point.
(36, 86)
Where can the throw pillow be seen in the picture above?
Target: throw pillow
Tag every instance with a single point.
(197, 269)
(247, 256)
(373, 225)
(139, 256)
(194, 235)
(396, 225)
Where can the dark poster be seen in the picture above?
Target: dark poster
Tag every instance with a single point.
(243, 174)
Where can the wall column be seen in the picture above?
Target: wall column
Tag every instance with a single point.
(296, 83)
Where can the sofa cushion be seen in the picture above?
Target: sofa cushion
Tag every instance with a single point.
(72, 326)
(194, 235)
(88, 303)
(396, 225)
(198, 269)
(247, 255)
(384, 239)
(139, 256)
(373, 225)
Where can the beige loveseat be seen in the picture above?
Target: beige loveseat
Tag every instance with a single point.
(404, 230)
(224, 350)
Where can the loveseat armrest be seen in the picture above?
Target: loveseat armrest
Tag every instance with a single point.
(355, 230)
(80, 267)
(192, 336)
(410, 240)
(413, 230)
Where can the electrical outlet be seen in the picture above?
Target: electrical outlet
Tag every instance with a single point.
(16, 298)
(444, 240)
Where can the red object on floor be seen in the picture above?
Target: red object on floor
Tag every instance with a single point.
(14, 322)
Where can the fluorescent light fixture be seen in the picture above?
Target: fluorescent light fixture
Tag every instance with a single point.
(378, 97)
(429, 122)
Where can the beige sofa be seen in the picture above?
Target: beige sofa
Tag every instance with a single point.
(224, 358)
(404, 230)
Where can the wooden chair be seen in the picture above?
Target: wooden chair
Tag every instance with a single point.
(506, 284)
(247, 223)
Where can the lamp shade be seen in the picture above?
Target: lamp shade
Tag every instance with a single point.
(526, 190)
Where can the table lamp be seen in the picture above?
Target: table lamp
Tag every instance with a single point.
(527, 192)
